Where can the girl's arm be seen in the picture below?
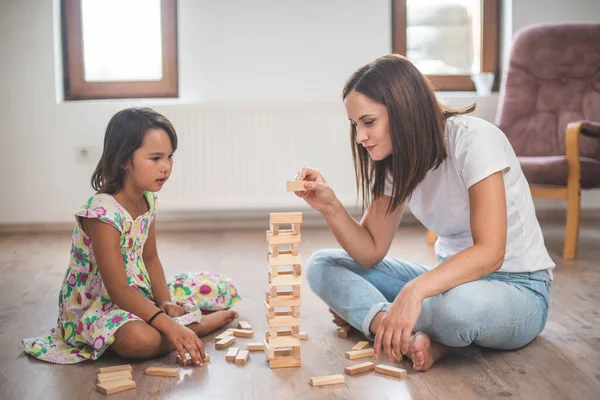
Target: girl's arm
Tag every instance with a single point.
(107, 251)
(160, 290)
(368, 241)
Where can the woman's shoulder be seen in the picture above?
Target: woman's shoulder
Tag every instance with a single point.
(464, 130)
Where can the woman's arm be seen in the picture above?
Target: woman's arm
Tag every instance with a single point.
(487, 200)
(368, 241)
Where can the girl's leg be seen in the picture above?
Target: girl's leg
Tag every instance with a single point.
(354, 293)
(138, 340)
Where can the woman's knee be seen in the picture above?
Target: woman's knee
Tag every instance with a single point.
(319, 268)
(136, 340)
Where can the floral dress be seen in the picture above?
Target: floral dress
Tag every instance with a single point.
(87, 317)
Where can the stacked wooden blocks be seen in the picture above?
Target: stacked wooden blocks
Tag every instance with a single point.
(114, 379)
(282, 344)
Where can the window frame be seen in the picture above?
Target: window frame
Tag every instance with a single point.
(77, 88)
(489, 45)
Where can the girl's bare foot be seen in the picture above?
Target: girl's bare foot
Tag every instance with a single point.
(339, 321)
(213, 321)
(424, 353)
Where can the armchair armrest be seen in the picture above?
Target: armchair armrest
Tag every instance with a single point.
(574, 129)
(590, 128)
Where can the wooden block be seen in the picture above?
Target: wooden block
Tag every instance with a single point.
(275, 229)
(327, 380)
(360, 345)
(295, 249)
(297, 269)
(284, 258)
(297, 350)
(232, 354)
(359, 368)
(161, 371)
(303, 335)
(286, 236)
(391, 371)
(126, 367)
(296, 290)
(295, 186)
(283, 353)
(285, 279)
(275, 332)
(242, 333)
(244, 325)
(223, 344)
(296, 311)
(285, 362)
(284, 341)
(223, 335)
(115, 386)
(343, 331)
(296, 229)
(282, 301)
(275, 248)
(242, 357)
(285, 218)
(114, 376)
(354, 354)
(188, 360)
(283, 322)
(255, 347)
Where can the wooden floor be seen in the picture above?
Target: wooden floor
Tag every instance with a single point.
(562, 363)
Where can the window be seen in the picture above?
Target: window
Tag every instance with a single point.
(447, 40)
(119, 48)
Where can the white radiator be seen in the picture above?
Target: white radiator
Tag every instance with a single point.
(237, 158)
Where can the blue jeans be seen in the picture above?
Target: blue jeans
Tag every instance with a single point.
(501, 311)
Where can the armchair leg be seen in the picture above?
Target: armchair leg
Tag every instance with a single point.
(431, 237)
(572, 227)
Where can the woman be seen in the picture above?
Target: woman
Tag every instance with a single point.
(460, 177)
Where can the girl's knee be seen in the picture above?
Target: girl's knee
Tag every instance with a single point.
(318, 267)
(136, 340)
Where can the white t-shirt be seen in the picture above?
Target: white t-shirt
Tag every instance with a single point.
(477, 149)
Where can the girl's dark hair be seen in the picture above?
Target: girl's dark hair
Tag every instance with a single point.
(416, 124)
(124, 135)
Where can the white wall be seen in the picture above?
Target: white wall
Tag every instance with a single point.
(253, 53)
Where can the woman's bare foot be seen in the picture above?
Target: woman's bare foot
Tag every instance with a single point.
(339, 321)
(212, 322)
(424, 353)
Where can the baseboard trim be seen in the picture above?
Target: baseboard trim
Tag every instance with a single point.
(197, 221)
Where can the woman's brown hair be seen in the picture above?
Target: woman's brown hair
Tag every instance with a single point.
(416, 124)
(124, 135)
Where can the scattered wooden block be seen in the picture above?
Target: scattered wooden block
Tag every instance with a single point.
(343, 331)
(223, 335)
(161, 371)
(242, 357)
(115, 386)
(256, 347)
(303, 336)
(354, 354)
(114, 376)
(391, 371)
(223, 344)
(126, 367)
(188, 360)
(244, 325)
(327, 380)
(295, 186)
(360, 345)
(242, 333)
(359, 368)
(232, 354)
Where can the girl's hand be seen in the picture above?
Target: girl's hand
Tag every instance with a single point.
(183, 339)
(397, 324)
(171, 309)
(318, 194)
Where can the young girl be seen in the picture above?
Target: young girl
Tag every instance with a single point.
(114, 295)
(461, 179)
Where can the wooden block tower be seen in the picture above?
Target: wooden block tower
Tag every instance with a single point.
(282, 344)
